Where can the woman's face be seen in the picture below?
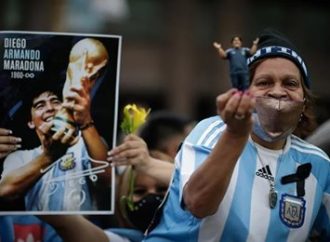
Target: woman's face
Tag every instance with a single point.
(145, 185)
(279, 78)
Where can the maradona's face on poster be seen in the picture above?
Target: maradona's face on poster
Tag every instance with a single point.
(58, 93)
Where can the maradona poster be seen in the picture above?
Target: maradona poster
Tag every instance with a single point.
(59, 94)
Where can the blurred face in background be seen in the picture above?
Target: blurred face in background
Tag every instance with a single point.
(147, 195)
(145, 185)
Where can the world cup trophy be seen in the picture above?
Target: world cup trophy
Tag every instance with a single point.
(88, 57)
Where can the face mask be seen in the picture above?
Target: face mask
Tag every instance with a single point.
(144, 210)
(274, 119)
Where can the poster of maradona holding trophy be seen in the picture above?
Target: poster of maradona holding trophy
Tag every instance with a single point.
(58, 98)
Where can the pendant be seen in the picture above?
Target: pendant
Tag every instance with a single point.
(272, 198)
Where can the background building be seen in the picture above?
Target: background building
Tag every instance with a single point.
(168, 61)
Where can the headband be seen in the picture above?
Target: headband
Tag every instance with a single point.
(273, 51)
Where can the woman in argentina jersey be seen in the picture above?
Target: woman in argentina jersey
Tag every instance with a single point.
(244, 175)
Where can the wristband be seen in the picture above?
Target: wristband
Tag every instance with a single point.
(87, 125)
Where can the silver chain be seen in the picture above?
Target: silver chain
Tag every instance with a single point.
(272, 191)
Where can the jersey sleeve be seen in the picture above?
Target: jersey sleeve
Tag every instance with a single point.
(228, 52)
(195, 149)
(321, 228)
(247, 51)
(12, 162)
(326, 204)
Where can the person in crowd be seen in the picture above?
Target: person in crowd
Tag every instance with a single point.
(134, 151)
(21, 227)
(237, 56)
(139, 193)
(320, 137)
(26, 228)
(244, 169)
(8, 142)
(164, 131)
(55, 176)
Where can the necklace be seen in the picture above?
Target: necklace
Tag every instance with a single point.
(272, 196)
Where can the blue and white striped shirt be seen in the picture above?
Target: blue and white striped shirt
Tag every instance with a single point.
(63, 186)
(244, 213)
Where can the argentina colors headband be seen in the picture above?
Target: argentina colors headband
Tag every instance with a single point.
(282, 52)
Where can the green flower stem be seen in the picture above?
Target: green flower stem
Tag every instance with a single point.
(131, 183)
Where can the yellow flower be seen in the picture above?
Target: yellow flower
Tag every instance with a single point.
(134, 117)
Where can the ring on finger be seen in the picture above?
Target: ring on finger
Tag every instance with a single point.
(239, 116)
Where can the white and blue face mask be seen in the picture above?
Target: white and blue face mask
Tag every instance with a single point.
(276, 118)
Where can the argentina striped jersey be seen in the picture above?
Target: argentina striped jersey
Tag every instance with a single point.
(244, 213)
(59, 188)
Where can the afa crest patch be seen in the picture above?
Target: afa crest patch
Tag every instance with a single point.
(292, 210)
(67, 162)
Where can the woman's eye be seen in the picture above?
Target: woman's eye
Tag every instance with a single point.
(263, 83)
(292, 83)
